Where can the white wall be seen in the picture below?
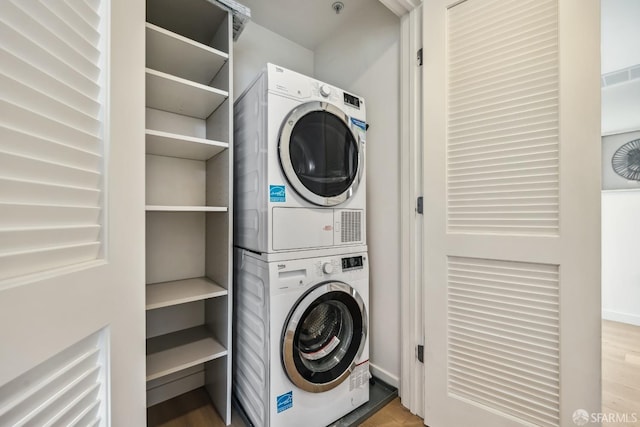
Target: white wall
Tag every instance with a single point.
(620, 267)
(621, 107)
(256, 46)
(620, 34)
(620, 214)
(364, 59)
(620, 210)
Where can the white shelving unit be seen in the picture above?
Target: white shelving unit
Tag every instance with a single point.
(156, 208)
(182, 291)
(189, 200)
(181, 96)
(163, 47)
(181, 146)
(180, 350)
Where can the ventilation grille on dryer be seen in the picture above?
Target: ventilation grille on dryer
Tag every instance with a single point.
(351, 226)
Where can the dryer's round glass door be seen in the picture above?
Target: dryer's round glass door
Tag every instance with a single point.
(324, 336)
(320, 154)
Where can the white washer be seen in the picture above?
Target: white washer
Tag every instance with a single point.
(301, 346)
(299, 154)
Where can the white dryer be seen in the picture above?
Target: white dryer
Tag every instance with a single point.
(299, 154)
(301, 346)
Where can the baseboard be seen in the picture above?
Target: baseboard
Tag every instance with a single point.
(385, 376)
(616, 316)
(175, 388)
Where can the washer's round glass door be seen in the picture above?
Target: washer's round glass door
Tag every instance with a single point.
(320, 154)
(324, 336)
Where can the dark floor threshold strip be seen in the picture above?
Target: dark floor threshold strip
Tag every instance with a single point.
(380, 393)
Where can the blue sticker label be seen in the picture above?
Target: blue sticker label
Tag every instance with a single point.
(284, 401)
(277, 193)
(359, 123)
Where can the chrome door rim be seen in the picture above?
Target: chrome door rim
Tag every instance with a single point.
(291, 325)
(285, 156)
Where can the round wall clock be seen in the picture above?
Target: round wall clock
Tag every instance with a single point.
(626, 160)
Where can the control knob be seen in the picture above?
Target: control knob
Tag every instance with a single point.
(327, 267)
(325, 90)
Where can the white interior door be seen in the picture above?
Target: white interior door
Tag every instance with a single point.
(72, 347)
(512, 211)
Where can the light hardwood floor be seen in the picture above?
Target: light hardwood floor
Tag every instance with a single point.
(620, 371)
(620, 391)
(393, 414)
(193, 409)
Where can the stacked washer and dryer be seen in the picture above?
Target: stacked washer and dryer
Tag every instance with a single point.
(301, 267)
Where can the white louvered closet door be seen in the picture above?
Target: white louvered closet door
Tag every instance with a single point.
(512, 212)
(72, 213)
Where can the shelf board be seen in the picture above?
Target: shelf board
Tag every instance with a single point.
(199, 20)
(182, 291)
(182, 146)
(177, 95)
(182, 57)
(161, 208)
(180, 350)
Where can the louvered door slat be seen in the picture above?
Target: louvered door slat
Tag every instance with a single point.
(49, 18)
(59, 390)
(507, 359)
(505, 308)
(25, 192)
(51, 409)
(26, 239)
(33, 216)
(32, 53)
(497, 15)
(84, 414)
(73, 405)
(42, 125)
(88, 12)
(51, 130)
(18, 70)
(14, 16)
(21, 263)
(22, 143)
(86, 25)
(42, 102)
(32, 169)
(503, 117)
(505, 81)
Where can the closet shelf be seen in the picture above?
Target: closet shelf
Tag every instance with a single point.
(182, 291)
(180, 350)
(182, 57)
(161, 208)
(182, 146)
(177, 95)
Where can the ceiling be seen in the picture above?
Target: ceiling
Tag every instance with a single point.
(620, 34)
(306, 22)
(310, 22)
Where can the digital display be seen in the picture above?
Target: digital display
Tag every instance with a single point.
(352, 263)
(354, 101)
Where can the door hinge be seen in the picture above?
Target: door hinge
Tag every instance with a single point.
(420, 353)
(419, 55)
(419, 205)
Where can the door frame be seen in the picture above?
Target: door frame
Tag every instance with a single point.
(411, 297)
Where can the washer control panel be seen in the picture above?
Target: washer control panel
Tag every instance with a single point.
(352, 263)
(327, 266)
(339, 265)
